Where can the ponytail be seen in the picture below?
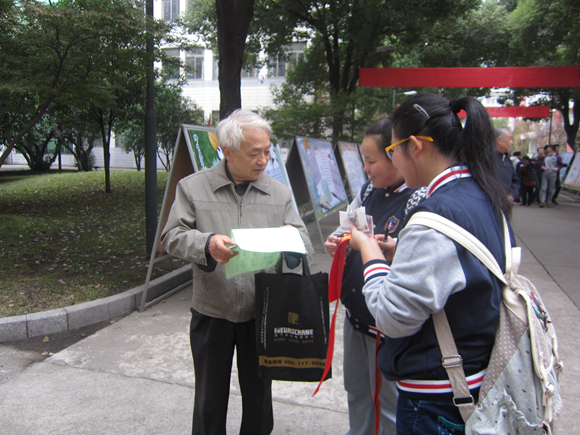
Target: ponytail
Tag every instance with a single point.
(473, 145)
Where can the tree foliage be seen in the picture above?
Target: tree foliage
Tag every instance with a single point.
(67, 50)
(547, 33)
(172, 110)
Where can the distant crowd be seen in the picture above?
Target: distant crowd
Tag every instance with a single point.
(533, 179)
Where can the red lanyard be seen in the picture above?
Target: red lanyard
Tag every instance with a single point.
(334, 287)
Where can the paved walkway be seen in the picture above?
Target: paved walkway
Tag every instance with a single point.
(135, 375)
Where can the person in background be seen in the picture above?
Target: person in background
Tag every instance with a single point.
(505, 167)
(529, 179)
(384, 196)
(208, 205)
(549, 175)
(429, 271)
(539, 164)
(516, 159)
(561, 165)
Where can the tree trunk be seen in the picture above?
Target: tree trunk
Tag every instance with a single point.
(41, 111)
(234, 17)
(571, 128)
(106, 128)
(107, 154)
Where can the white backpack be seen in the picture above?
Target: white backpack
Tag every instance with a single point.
(519, 393)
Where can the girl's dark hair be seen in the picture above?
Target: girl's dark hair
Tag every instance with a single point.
(381, 129)
(473, 145)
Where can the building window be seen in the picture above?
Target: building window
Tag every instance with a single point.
(170, 10)
(215, 68)
(194, 60)
(171, 71)
(279, 67)
(249, 73)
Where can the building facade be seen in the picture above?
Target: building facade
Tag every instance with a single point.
(202, 85)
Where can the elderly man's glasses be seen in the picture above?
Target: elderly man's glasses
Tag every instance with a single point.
(389, 149)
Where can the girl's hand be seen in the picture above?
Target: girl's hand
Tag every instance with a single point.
(358, 239)
(387, 245)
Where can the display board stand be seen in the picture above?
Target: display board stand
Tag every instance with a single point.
(315, 176)
(184, 164)
(349, 157)
(196, 149)
(573, 176)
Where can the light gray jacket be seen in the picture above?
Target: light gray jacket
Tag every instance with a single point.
(206, 203)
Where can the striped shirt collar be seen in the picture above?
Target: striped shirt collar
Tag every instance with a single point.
(401, 188)
(448, 175)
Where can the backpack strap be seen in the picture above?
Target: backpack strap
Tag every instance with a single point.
(453, 364)
(480, 251)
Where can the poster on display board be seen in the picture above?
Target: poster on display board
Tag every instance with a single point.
(573, 177)
(353, 166)
(196, 149)
(203, 146)
(315, 177)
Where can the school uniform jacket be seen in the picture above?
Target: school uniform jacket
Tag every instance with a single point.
(431, 272)
(386, 206)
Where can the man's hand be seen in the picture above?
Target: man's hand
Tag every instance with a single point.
(331, 244)
(218, 250)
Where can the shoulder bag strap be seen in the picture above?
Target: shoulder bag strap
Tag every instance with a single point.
(464, 238)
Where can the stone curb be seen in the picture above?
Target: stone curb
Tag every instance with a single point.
(19, 328)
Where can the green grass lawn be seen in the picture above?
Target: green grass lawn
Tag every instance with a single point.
(63, 240)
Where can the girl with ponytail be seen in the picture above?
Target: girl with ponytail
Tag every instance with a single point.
(430, 272)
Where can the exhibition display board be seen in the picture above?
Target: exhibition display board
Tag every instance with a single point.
(573, 176)
(353, 164)
(315, 177)
(196, 149)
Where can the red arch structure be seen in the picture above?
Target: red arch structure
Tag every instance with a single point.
(496, 77)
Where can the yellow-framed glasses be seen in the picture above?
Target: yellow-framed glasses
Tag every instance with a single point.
(389, 149)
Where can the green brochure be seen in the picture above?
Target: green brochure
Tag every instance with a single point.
(259, 248)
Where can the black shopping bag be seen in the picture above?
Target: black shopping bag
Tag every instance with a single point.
(292, 324)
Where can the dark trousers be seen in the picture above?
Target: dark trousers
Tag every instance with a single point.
(538, 188)
(426, 417)
(212, 345)
(527, 195)
(558, 187)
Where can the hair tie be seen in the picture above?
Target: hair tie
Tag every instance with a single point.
(455, 106)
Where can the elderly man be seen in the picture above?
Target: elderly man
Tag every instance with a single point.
(505, 168)
(208, 205)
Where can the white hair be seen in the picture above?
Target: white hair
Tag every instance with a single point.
(232, 130)
(502, 132)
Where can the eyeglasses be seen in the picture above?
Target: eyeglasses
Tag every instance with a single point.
(389, 149)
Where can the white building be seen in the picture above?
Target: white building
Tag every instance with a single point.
(202, 85)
